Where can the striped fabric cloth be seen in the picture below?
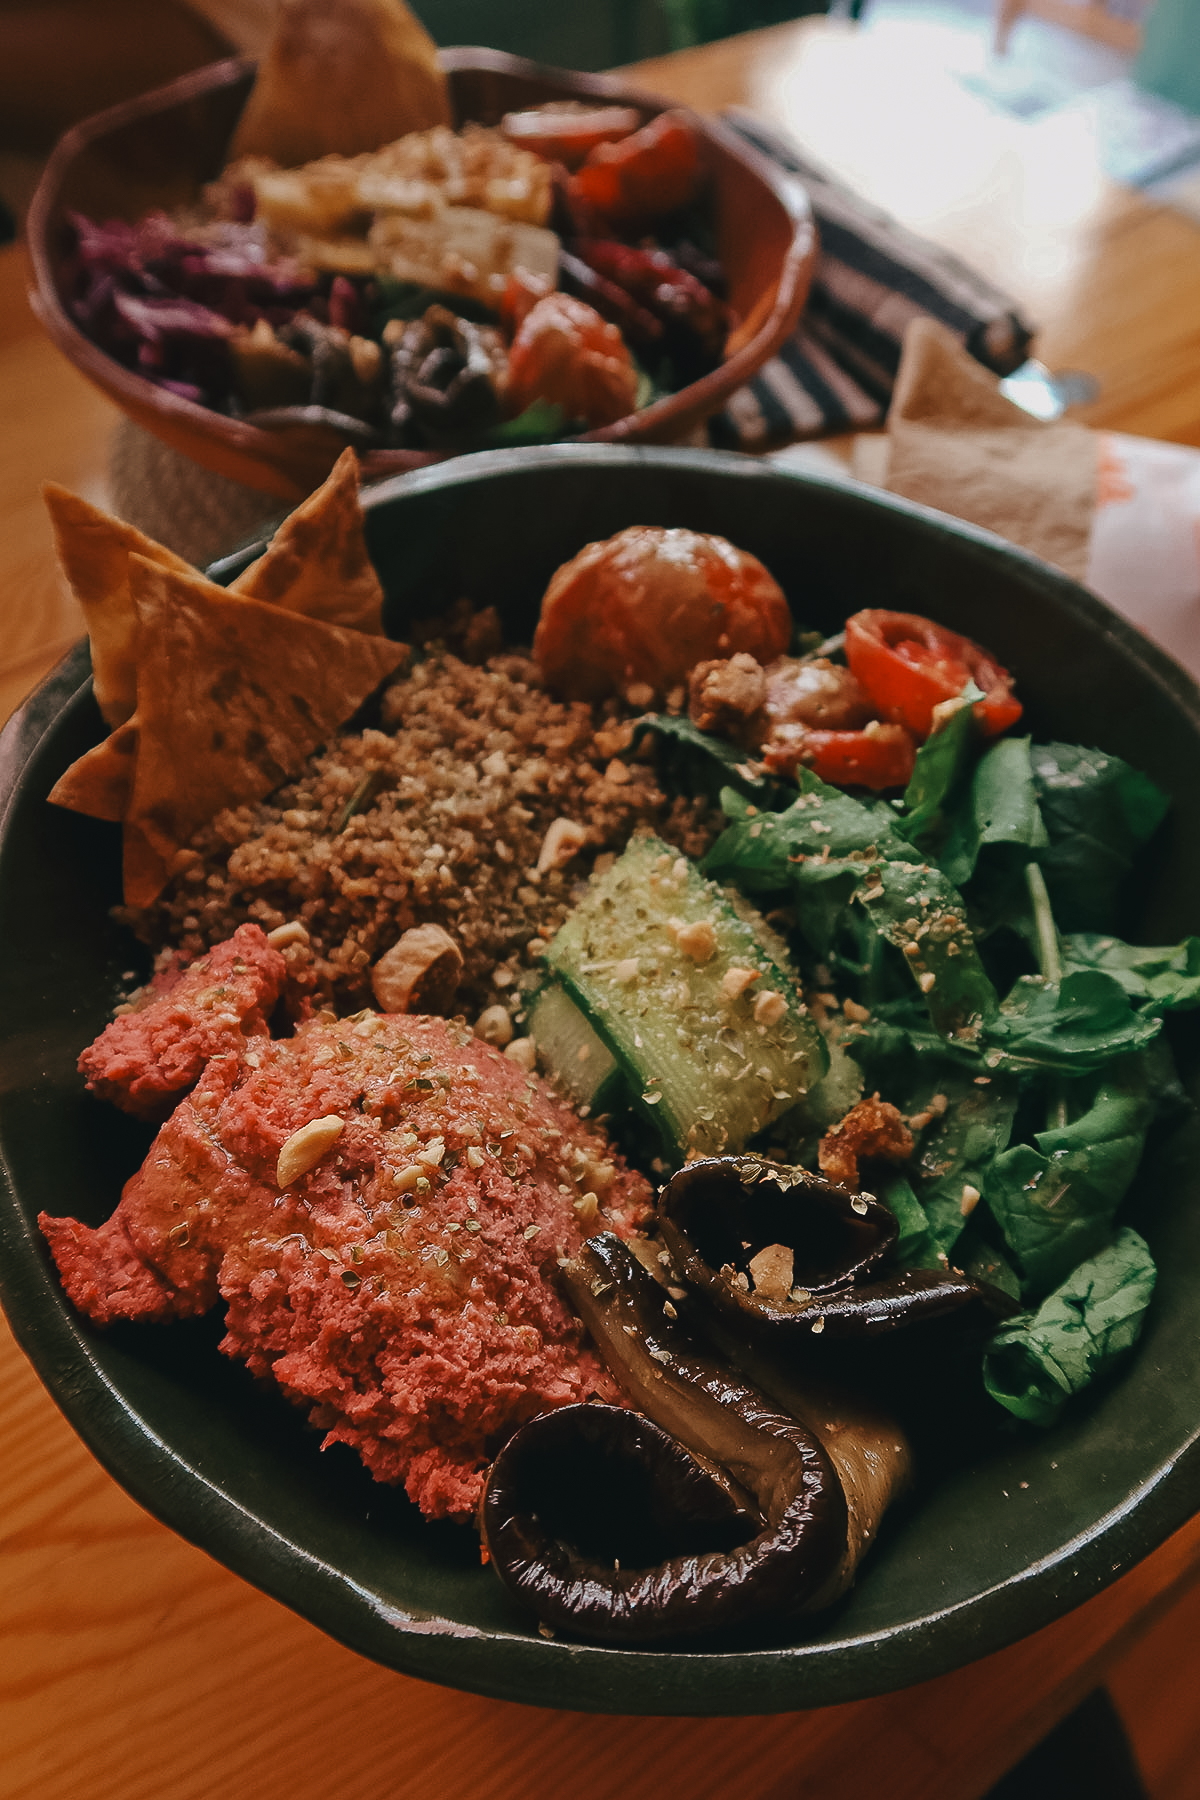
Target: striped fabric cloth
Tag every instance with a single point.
(872, 277)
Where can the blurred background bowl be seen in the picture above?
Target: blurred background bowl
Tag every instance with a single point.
(158, 151)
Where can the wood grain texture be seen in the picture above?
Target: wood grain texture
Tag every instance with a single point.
(131, 1665)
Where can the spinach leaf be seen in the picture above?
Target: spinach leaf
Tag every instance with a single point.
(1074, 1026)
(1055, 1204)
(959, 1152)
(821, 823)
(542, 422)
(915, 1248)
(940, 764)
(1000, 807)
(694, 762)
(914, 907)
(1034, 1365)
(968, 1112)
(1098, 813)
(980, 1259)
(817, 851)
(1155, 980)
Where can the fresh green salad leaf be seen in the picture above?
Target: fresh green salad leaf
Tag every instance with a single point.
(969, 1111)
(1032, 839)
(980, 1259)
(821, 823)
(1000, 807)
(958, 1153)
(1074, 1026)
(815, 851)
(826, 850)
(940, 766)
(1055, 1204)
(1098, 813)
(692, 762)
(915, 1248)
(914, 907)
(1155, 980)
(1036, 1363)
(542, 422)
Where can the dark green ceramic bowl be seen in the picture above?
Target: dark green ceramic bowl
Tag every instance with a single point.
(985, 1552)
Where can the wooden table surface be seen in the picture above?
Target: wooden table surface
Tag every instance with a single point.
(131, 1665)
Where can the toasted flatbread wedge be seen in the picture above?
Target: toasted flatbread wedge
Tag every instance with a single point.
(317, 562)
(100, 782)
(341, 76)
(232, 697)
(94, 550)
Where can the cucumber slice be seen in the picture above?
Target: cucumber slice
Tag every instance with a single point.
(572, 1055)
(658, 959)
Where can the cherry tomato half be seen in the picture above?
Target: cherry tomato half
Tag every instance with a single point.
(908, 665)
(877, 757)
(653, 172)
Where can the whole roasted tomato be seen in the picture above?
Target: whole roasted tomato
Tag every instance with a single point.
(566, 353)
(643, 608)
(908, 665)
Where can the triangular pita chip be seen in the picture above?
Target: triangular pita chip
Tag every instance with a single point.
(100, 782)
(94, 550)
(955, 442)
(233, 695)
(341, 76)
(317, 562)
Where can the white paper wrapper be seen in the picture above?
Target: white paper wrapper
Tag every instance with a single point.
(1144, 550)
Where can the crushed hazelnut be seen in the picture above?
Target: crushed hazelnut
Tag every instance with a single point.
(419, 973)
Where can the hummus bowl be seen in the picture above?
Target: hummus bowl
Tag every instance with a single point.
(989, 1547)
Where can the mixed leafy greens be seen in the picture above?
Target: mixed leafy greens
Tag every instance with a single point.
(965, 937)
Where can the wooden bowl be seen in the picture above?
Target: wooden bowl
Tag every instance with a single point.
(158, 152)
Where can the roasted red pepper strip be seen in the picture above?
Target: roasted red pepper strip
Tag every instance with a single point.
(908, 665)
(877, 757)
(655, 171)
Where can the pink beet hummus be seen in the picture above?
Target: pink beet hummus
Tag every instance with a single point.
(402, 1289)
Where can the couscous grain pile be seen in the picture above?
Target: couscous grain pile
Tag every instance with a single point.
(481, 805)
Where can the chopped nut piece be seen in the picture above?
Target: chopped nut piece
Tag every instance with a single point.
(769, 1008)
(283, 935)
(970, 1200)
(419, 973)
(563, 840)
(523, 1051)
(494, 1026)
(771, 1271)
(305, 1148)
(626, 970)
(735, 981)
(697, 941)
(857, 1015)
